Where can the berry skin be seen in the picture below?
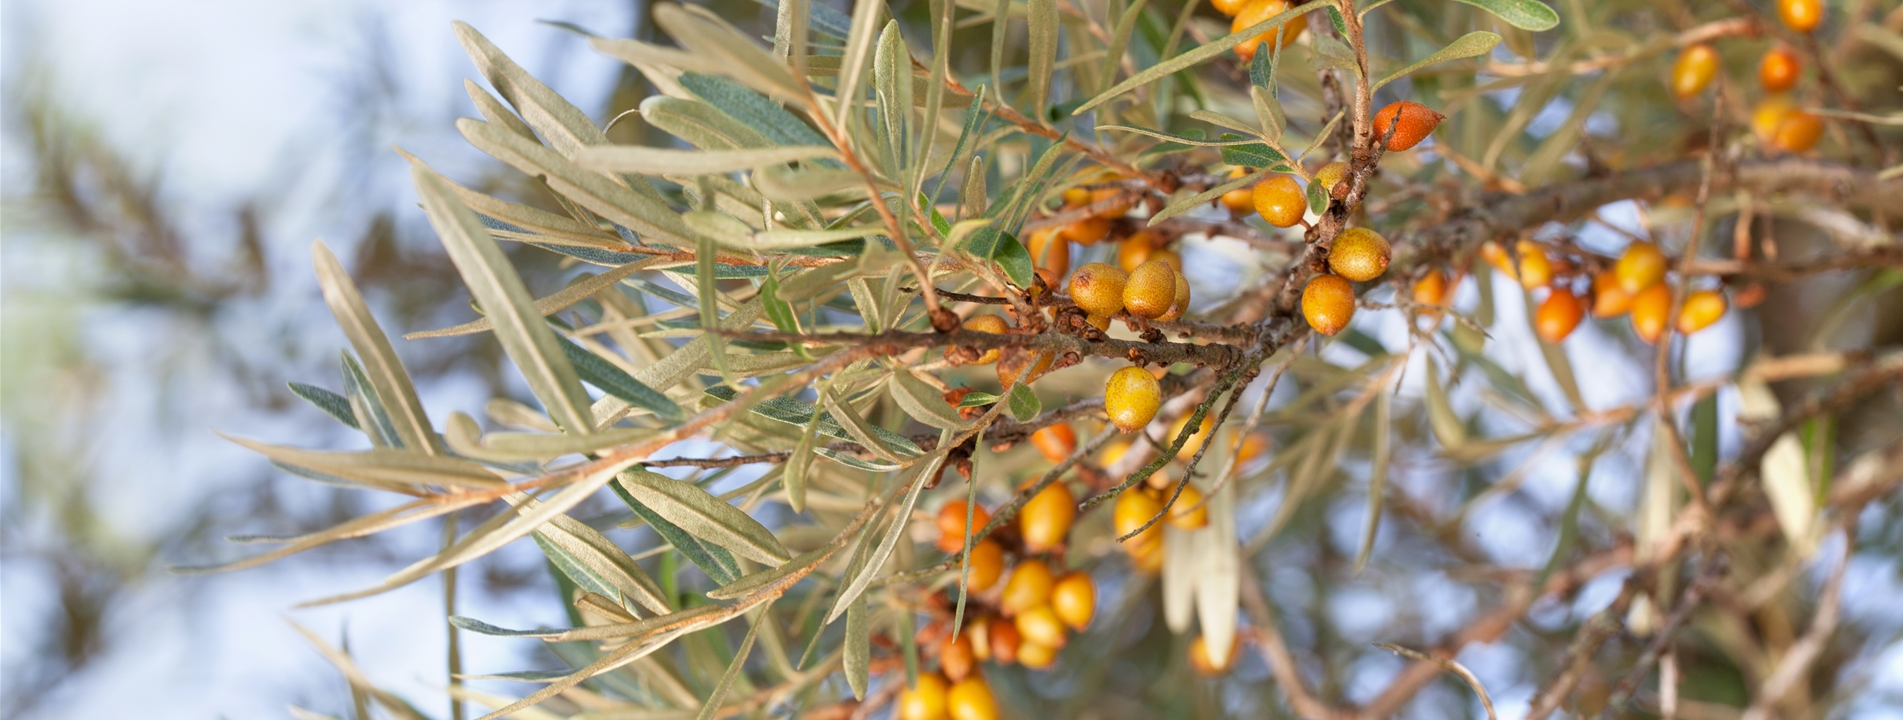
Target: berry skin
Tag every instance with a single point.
(1088, 231)
(979, 631)
(1359, 254)
(1332, 174)
(1013, 362)
(1535, 269)
(1558, 315)
(1241, 199)
(1257, 11)
(1004, 641)
(1039, 626)
(1055, 442)
(1150, 290)
(1133, 252)
(1416, 122)
(1189, 513)
(1051, 252)
(1280, 201)
(1195, 440)
(1029, 587)
(1098, 289)
(1200, 661)
(1651, 309)
(1431, 289)
(987, 563)
(1799, 131)
(1229, 7)
(1801, 15)
(1098, 321)
(1148, 558)
(1181, 304)
(1074, 597)
(1641, 266)
(1036, 656)
(1768, 115)
(955, 658)
(1116, 209)
(970, 699)
(1496, 256)
(1329, 303)
(1778, 70)
(1693, 71)
(1076, 197)
(1134, 508)
(1131, 397)
(1608, 299)
(987, 324)
(1701, 309)
(951, 524)
(924, 701)
(1046, 518)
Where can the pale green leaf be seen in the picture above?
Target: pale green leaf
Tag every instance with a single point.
(658, 161)
(652, 219)
(1523, 14)
(1469, 45)
(383, 467)
(705, 516)
(1199, 54)
(387, 376)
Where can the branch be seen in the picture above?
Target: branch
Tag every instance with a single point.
(896, 341)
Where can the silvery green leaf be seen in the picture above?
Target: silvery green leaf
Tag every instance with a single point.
(560, 122)
(1440, 414)
(892, 86)
(494, 111)
(612, 380)
(704, 516)
(972, 199)
(859, 47)
(390, 469)
(581, 289)
(858, 653)
(1377, 477)
(1183, 205)
(1219, 573)
(1469, 45)
(387, 377)
(859, 578)
(807, 182)
(658, 161)
(797, 566)
(707, 34)
(331, 403)
(1004, 249)
(650, 218)
(1024, 403)
(612, 572)
(1199, 54)
(860, 430)
(711, 559)
(1523, 14)
(700, 124)
(788, 239)
(482, 628)
(522, 222)
(765, 116)
(1042, 15)
(923, 402)
(1226, 141)
(711, 708)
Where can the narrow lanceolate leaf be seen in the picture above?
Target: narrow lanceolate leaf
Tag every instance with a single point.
(522, 222)
(387, 376)
(1199, 54)
(801, 565)
(705, 516)
(706, 34)
(466, 439)
(858, 651)
(1440, 414)
(1523, 14)
(856, 585)
(859, 46)
(383, 467)
(335, 405)
(564, 126)
(781, 239)
(612, 380)
(1378, 477)
(1469, 45)
(364, 404)
(1192, 202)
(711, 559)
(606, 563)
(658, 161)
(711, 709)
(892, 86)
(923, 402)
(1785, 472)
(1219, 573)
(793, 478)
(860, 430)
(646, 216)
(531, 345)
(1043, 22)
(574, 293)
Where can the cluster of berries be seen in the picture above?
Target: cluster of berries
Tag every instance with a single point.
(1777, 121)
(1634, 285)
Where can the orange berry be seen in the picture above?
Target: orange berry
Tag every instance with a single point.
(987, 324)
(1241, 199)
(924, 701)
(1206, 666)
(1416, 122)
(970, 699)
(1229, 7)
(1148, 558)
(1036, 656)
(1050, 251)
(1134, 508)
(1088, 231)
(1135, 251)
(955, 658)
(1329, 303)
(1693, 71)
(1496, 256)
(951, 524)
(1046, 518)
(1280, 201)
(1359, 254)
(1075, 196)
(1098, 289)
(1257, 11)
(1798, 132)
(1801, 15)
(1430, 290)
(1768, 115)
(1150, 290)
(1253, 446)
(1701, 309)
(1188, 512)
(1098, 321)
(1332, 174)
(987, 564)
(1558, 315)
(1004, 641)
(1641, 266)
(1609, 300)
(1651, 309)
(1131, 397)
(1535, 269)
(1195, 441)
(1039, 626)
(1158, 481)
(1055, 442)
(1074, 597)
(1778, 70)
(1015, 362)
(1029, 587)
(1181, 304)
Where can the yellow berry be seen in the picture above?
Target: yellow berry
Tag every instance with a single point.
(1188, 512)
(1031, 364)
(987, 324)
(1039, 626)
(979, 630)
(1801, 15)
(1181, 304)
(1799, 131)
(924, 701)
(970, 699)
(1768, 115)
(955, 658)
(1280, 201)
(1229, 7)
(1049, 251)
(1036, 656)
(1641, 266)
(1098, 289)
(1331, 175)
(1431, 289)
(1195, 441)
(1076, 196)
(1257, 11)
(1150, 290)
(1359, 254)
(1535, 269)
(1133, 252)
(1651, 310)
(1074, 597)
(1693, 71)
(1558, 315)
(1701, 309)
(1497, 257)
(1131, 397)
(1241, 199)
(1046, 518)
(1135, 507)
(1029, 587)
(951, 524)
(1328, 302)
(1148, 558)
(1415, 123)
(1087, 231)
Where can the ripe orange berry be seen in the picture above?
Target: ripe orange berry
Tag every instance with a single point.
(987, 564)
(970, 699)
(1280, 201)
(1359, 254)
(1181, 304)
(955, 658)
(1115, 209)
(1051, 252)
(1651, 310)
(1332, 174)
(1032, 364)
(987, 324)
(1029, 587)
(1189, 513)
(1076, 196)
(1701, 309)
(1257, 11)
(1415, 123)
(1778, 70)
(1609, 300)
(1768, 115)
(1134, 508)
(1131, 397)
(1206, 666)
(1693, 71)
(1240, 199)
(1229, 7)
(1496, 256)
(1431, 289)
(1046, 518)
(926, 700)
(1098, 289)
(1558, 315)
(1195, 441)
(951, 524)
(1801, 15)
(1135, 251)
(1535, 269)
(1036, 656)
(1055, 442)
(1004, 641)
(1641, 266)
(1148, 558)
(1088, 231)
(1798, 132)
(1150, 290)
(1074, 597)
(1039, 626)
(1329, 303)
